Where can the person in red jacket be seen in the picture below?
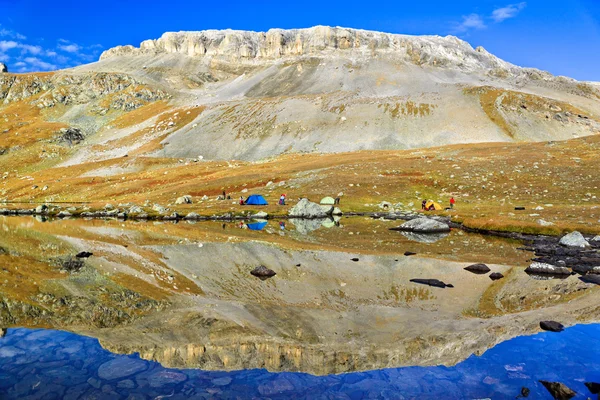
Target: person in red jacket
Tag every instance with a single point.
(452, 202)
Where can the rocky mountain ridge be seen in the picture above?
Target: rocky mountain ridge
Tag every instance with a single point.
(247, 46)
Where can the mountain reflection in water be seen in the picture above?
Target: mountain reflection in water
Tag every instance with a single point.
(342, 301)
(59, 365)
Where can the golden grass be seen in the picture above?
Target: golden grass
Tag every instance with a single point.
(140, 115)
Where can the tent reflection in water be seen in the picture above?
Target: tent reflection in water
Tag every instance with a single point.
(432, 205)
(256, 200)
(328, 201)
(257, 225)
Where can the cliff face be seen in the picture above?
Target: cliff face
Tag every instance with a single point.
(245, 46)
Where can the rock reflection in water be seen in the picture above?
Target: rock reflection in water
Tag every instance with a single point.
(424, 237)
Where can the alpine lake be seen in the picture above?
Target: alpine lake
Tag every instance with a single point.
(171, 310)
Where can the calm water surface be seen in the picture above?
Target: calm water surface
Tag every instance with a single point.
(164, 309)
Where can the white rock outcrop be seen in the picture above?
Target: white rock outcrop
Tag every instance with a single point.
(307, 209)
(423, 225)
(574, 239)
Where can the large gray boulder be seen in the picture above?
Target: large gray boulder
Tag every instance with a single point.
(574, 239)
(423, 225)
(307, 209)
(596, 238)
(187, 199)
(548, 269)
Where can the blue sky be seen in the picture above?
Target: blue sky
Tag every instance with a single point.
(562, 37)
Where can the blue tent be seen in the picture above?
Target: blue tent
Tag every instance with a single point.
(256, 200)
(257, 226)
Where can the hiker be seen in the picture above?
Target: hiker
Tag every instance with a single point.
(241, 200)
(282, 225)
(282, 200)
(452, 201)
(423, 204)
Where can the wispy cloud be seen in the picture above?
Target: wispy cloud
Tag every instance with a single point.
(11, 34)
(471, 21)
(510, 11)
(7, 45)
(69, 48)
(478, 21)
(27, 57)
(37, 63)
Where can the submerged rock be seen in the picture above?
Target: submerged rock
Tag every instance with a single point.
(559, 390)
(478, 268)
(543, 268)
(552, 326)
(593, 387)
(423, 225)
(496, 276)
(590, 279)
(263, 272)
(574, 239)
(432, 282)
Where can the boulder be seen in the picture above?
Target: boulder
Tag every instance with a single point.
(187, 199)
(425, 237)
(543, 268)
(307, 209)
(432, 282)
(552, 326)
(260, 214)
(337, 211)
(64, 214)
(192, 216)
(595, 279)
(586, 269)
(595, 238)
(262, 272)
(574, 239)
(159, 209)
(593, 387)
(423, 225)
(478, 268)
(71, 136)
(135, 210)
(3, 68)
(496, 276)
(41, 209)
(112, 213)
(558, 390)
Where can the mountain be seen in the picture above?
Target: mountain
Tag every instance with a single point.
(321, 89)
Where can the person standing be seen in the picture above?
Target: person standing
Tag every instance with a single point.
(282, 200)
(452, 202)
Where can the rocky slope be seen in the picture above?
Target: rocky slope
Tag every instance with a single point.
(336, 89)
(319, 89)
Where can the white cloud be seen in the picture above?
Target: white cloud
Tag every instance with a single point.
(471, 21)
(7, 45)
(27, 48)
(69, 48)
(39, 64)
(20, 64)
(4, 57)
(51, 53)
(11, 34)
(510, 11)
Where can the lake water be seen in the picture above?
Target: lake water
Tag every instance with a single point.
(165, 309)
